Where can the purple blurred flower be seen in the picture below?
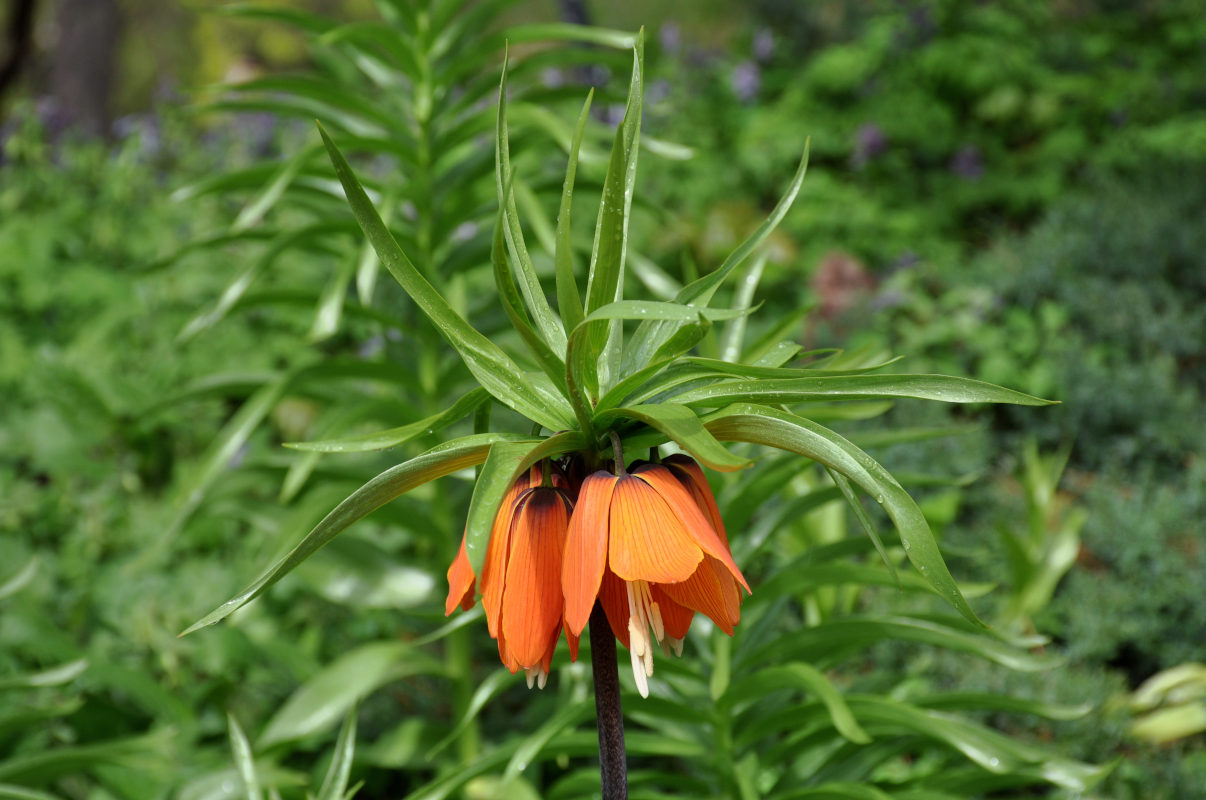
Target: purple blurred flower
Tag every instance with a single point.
(746, 80)
(671, 36)
(763, 46)
(870, 142)
(968, 163)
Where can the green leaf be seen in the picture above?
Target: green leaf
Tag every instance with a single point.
(766, 426)
(493, 685)
(532, 744)
(55, 676)
(10, 792)
(503, 466)
(255, 210)
(336, 689)
(20, 579)
(734, 335)
(542, 315)
(992, 751)
(649, 337)
(496, 372)
(383, 440)
(548, 360)
(944, 388)
(244, 760)
(863, 519)
(683, 427)
(435, 463)
(799, 676)
(605, 280)
(569, 303)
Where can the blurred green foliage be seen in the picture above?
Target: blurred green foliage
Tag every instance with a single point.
(1020, 184)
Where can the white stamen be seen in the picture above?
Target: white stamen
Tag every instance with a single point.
(542, 679)
(659, 630)
(638, 674)
(529, 673)
(677, 645)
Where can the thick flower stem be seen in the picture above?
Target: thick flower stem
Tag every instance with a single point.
(612, 760)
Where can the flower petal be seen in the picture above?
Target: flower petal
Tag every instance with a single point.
(613, 596)
(494, 570)
(705, 592)
(460, 582)
(691, 476)
(532, 602)
(675, 618)
(692, 518)
(586, 549)
(646, 539)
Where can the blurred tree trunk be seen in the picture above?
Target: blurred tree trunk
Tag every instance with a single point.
(84, 62)
(20, 42)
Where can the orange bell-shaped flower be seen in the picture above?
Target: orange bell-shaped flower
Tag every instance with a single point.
(521, 577)
(642, 545)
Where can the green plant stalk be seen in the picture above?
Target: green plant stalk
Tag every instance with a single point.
(458, 656)
(613, 765)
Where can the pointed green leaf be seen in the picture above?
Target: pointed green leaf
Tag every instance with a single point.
(843, 484)
(944, 388)
(337, 688)
(437, 462)
(767, 426)
(383, 440)
(605, 278)
(569, 302)
(542, 315)
(681, 426)
(335, 784)
(799, 676)
(649, 337)
(244, 760)
(496, 372)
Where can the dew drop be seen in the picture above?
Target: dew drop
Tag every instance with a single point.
(879, 499)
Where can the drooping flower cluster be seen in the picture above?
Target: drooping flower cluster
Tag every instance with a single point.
(647, 544)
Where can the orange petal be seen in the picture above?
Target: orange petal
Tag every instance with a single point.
(675, 618)
(586, 549)
(613, 596)
(495, 568)
(532, 602)
(460, 582)
(646, 540)
(692, 518)
(691, 476)
(704, 592)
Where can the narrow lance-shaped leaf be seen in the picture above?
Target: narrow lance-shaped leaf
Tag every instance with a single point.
(767, 426)
(335, 784)
(843, 484)
(681, 426)
(944, 388)
(734, 335)
(496, 372)
(545, 321)
(605, 281)
(569, 303)
(435, 463)
(382, 440)
(799, 676)
(649, 337)
(548, 360)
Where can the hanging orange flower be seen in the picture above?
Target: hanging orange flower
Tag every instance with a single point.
(643, 544)
(521, 577)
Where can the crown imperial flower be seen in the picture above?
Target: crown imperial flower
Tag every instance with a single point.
(649, 545)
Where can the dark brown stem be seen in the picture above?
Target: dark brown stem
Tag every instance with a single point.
(612, 760)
